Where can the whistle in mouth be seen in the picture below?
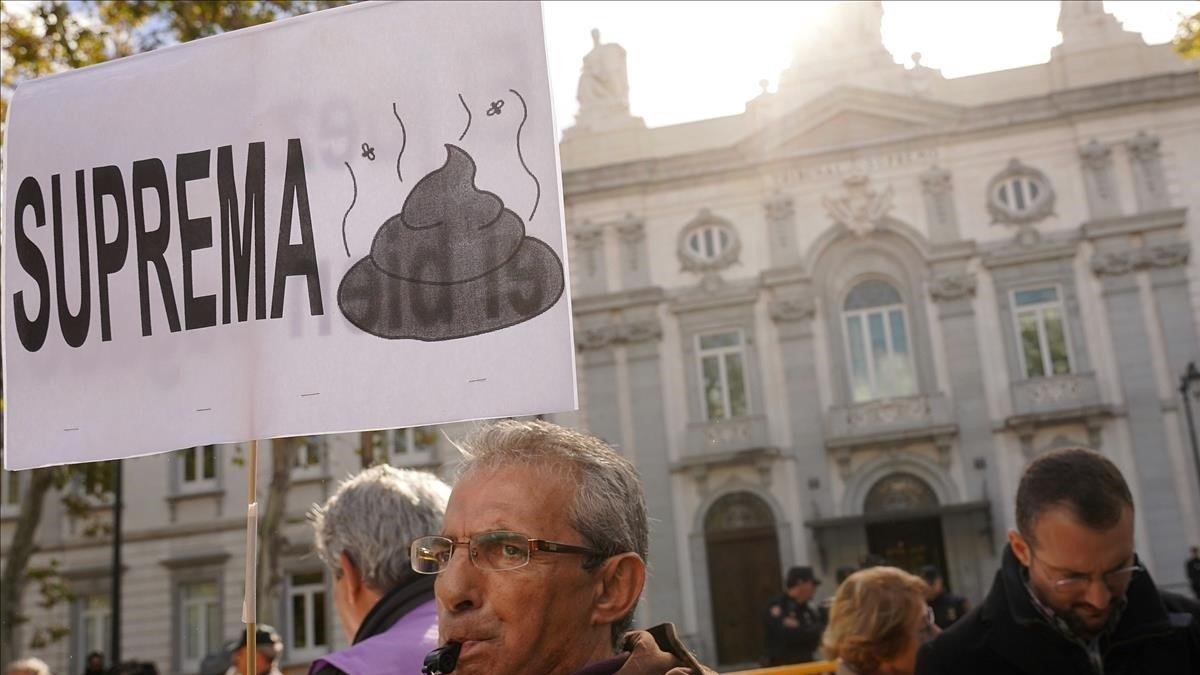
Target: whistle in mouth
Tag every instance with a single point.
(442, 660)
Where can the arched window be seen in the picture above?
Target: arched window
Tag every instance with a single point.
(899, 492)
(877, 345)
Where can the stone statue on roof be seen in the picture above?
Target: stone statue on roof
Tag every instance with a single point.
(603, 92)
(604, 82)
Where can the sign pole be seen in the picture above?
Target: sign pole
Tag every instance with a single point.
(249, 605)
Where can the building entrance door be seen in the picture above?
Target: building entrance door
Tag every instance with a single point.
(743, 574)
(903, 541)
(908, 544)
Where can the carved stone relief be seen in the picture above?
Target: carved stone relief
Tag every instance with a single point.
(859, 207)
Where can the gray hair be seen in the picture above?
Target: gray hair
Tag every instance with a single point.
(28, 665)
(609, 505)
(373, 517)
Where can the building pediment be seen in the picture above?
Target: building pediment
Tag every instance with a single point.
(850, 117)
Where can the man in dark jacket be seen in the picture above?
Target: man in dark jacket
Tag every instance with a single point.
(947, 607)
(1071, 595)
(793, 623)
(386, 609)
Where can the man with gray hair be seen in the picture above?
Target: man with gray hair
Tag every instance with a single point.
(362, 534)
(556, 534)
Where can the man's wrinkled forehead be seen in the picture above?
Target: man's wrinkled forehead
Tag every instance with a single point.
(523, 497)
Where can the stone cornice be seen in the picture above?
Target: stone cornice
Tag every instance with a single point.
(1003, 115)
(1141, 223)
(694, 301)
(1047, 249)
(638, 297)
(617, 334)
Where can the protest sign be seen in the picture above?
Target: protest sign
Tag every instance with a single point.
(349, 220)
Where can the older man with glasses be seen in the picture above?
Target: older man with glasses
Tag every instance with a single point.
(541, 559)
(1071, 595)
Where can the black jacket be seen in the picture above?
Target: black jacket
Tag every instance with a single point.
(791, 644)
(409, 595)
(1157, 634)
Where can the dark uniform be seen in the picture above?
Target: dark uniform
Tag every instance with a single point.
(793, 631)
(1193, 573)
(948, 608)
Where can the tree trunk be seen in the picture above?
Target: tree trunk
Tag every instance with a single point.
(16, 561)
(270, 531)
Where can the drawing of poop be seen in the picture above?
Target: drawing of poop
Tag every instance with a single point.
(453, 263)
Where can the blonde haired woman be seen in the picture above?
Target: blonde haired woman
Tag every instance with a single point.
(878, 620)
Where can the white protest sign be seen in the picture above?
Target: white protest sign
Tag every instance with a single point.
(349, 220)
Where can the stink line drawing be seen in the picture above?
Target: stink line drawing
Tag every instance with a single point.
(403, 141)
(353, 200)
(536, 183)
(468, 127)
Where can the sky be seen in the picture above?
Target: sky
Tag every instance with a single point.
(696, 60)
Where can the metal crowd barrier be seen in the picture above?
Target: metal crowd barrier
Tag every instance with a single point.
(814, 668)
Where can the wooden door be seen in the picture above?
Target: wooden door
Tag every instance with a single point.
(743, 574)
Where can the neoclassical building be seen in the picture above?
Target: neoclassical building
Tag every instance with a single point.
(837, 324)
(840, 323)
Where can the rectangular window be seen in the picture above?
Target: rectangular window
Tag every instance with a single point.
(1041, 333)
(878, 349)
(93, 629)
(306, 614)
(198, 468)
(406, 447)
(199, 623)
(10, 490)
(308, 460)
(723, 374)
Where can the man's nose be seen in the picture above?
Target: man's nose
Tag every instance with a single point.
(1098, 594)
(459, 587)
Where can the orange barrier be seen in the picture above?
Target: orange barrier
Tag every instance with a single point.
(814, 668)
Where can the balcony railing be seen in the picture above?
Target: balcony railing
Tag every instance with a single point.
(891, 419)
(727, 436)
(1056, 396)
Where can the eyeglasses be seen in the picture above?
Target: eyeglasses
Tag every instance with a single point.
(498, 550)
(1074, 584)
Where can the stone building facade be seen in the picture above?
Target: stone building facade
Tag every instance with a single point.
(839, 323)
(835, 325)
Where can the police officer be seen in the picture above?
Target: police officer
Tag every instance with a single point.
(947, 607)
(793, 622)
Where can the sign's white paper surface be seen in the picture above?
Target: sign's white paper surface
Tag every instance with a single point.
(349, 220)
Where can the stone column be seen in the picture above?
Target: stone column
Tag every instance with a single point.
(1097, 167)
(781, 231)
(635, 258)
(793, 310)
(953, 291)
(1116, 265)
(1149, 183)
(591, 277)
(938, 192)
(641, 334)
(595, 341)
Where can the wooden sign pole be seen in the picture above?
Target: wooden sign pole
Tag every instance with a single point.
(249, 605)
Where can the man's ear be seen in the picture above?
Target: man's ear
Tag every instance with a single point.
(618, 586)
(350, 573)
(1019, 546)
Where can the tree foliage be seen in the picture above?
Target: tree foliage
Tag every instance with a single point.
(1187, 37)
